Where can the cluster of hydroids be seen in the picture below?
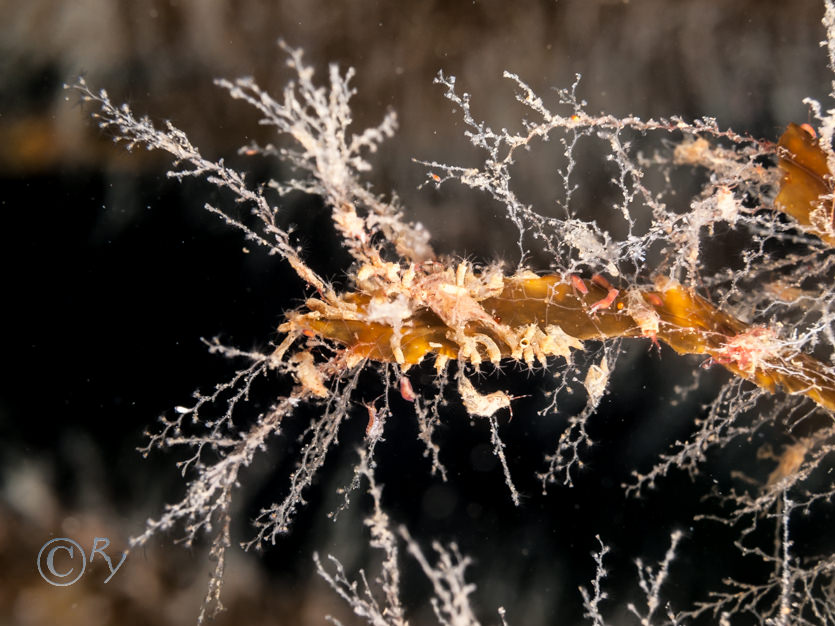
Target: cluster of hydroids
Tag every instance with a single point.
(768, 321)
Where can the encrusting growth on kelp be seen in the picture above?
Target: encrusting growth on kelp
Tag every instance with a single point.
(402, 316)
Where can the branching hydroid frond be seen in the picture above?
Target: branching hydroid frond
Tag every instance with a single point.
(451, 591)
(635, 268)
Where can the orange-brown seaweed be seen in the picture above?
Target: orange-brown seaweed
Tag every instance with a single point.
(669, 313)
(806, 183)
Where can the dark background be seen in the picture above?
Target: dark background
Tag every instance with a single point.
(112, 273)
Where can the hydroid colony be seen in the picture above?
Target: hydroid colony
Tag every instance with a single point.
(768, 321)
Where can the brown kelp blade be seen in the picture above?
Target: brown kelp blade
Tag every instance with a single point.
(805, 184)
(669, 313)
